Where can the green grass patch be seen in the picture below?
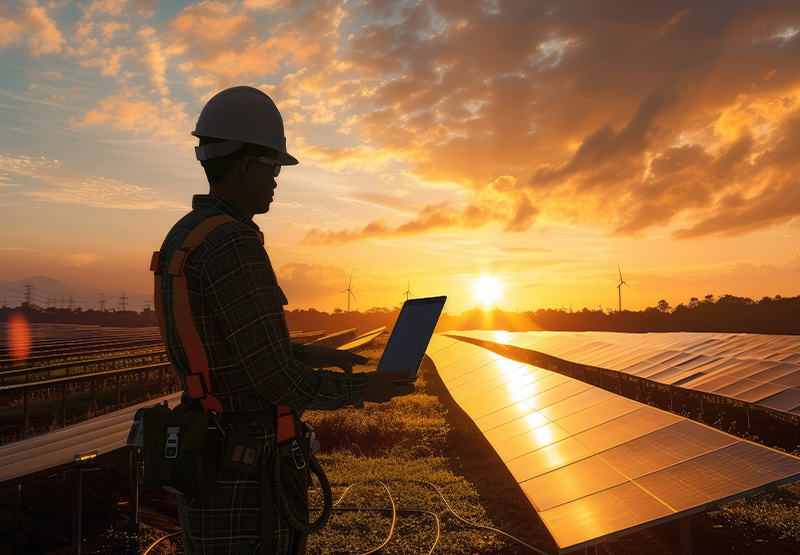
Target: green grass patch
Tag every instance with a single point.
(774, 513)
(354, 532)
(408, 426)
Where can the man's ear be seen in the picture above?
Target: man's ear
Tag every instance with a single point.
(244, 166)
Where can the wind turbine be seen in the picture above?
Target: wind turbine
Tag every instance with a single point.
(619, 287)
(349, 292)
(408, 292)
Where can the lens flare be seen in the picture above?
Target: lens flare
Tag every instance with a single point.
(19, 337)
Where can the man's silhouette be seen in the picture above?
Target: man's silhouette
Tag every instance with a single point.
(237, 309)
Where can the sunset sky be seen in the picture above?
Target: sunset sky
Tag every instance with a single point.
(540, 143)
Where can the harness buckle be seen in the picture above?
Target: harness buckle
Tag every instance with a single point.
(299, 461)
(172, 442)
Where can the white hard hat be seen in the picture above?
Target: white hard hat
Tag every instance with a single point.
(241, 115)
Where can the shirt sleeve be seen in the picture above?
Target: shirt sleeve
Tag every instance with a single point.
(241, 287)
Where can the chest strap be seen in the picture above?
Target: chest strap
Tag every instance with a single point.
(198, 384)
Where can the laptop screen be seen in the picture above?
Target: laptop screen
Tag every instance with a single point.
(411, 334)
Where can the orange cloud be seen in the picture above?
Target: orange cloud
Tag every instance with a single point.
(43, 35)
(497, 203)
(129, 110)
(111, 61)
(10, 32)
(629, 125)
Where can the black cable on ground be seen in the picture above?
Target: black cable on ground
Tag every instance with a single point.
(152, 545)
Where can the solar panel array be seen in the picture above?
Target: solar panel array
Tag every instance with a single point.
(759, 369)
(593, 464)
(363, 340)
(42, 454)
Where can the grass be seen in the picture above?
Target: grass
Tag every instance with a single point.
(402, 443)
(772, 513)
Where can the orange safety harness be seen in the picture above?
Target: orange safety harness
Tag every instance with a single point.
(198, 384)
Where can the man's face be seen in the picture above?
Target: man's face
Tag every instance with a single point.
(261, 185)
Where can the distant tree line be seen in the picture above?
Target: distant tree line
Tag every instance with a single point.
(727, 314)
(91, 317)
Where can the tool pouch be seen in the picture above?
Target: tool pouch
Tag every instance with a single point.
(182, 449)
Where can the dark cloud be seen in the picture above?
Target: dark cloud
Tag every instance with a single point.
(499, 202)
(610, 114)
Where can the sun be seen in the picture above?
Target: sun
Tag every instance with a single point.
(487, 290)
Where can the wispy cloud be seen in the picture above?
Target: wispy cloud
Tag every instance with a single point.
(88, 190)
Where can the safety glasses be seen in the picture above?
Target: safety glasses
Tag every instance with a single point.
(276, 167)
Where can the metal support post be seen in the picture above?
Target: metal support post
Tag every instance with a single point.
(119, 405)
(64, 405)
(686, 535)
(77, 510)
(135, 485)
(103, 475)
(25, 414)
(16, 502)
(91, 403)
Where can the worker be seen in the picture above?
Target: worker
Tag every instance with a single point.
(237, 308)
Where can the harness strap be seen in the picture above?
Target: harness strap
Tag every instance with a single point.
(198, 384)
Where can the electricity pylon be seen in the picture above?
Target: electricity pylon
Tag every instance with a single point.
(124, 299)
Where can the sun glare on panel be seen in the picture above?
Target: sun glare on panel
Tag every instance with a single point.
(501, 336)
(487, 290)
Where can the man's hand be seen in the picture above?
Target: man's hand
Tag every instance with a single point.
(325, 357)
(381, 386)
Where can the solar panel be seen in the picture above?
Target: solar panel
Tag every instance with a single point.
(758, 369)
(362, 340)
(32, 457)
(592, 463)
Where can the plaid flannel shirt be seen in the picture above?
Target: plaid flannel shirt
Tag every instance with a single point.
(237, 306)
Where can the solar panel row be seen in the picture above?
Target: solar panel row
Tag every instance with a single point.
(758, 369)
(594, 464)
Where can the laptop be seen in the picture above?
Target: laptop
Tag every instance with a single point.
(410, 336)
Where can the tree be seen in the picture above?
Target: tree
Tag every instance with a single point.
(663, 306)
